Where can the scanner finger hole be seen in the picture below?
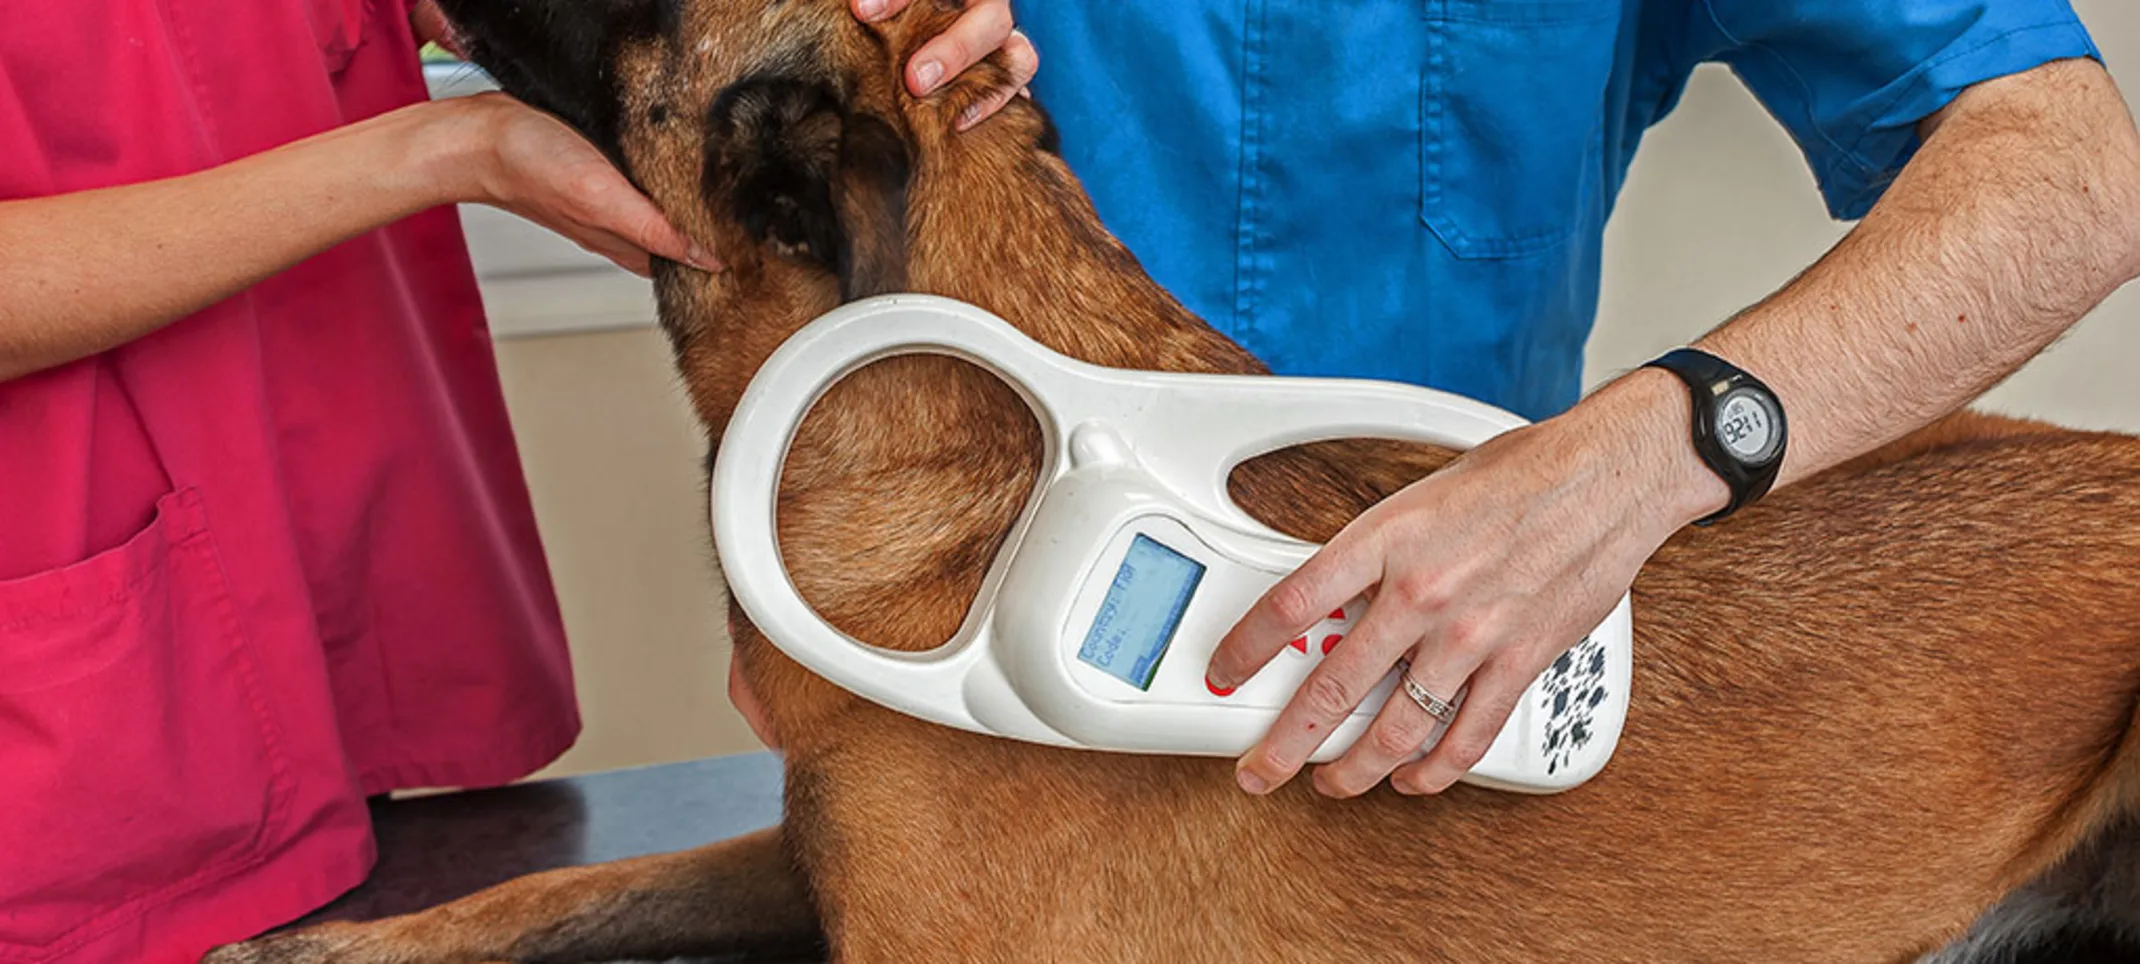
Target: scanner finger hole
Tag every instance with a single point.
(898, 491)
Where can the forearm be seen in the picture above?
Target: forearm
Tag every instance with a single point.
(84, 272)
(2020, 213)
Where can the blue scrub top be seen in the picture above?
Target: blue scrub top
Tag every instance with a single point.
(1417, 189)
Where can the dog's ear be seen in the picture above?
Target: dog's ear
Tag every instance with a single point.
(799, 170)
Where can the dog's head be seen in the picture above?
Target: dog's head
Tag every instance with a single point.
(780, 132)
(777, 129)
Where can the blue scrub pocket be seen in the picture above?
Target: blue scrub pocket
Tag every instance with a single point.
(1512, 117)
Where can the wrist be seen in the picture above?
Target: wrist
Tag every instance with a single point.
(1647, 415)
(450, 155)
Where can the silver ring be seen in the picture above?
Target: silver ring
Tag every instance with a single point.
(1435, 706)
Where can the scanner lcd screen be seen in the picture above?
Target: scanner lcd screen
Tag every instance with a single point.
(1142, 610)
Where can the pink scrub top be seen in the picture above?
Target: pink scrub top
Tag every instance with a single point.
(271, 559)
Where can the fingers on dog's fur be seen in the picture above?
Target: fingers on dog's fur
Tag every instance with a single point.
(801, 171)
(1022, 60)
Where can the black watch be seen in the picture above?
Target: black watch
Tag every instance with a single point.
(1739, 429)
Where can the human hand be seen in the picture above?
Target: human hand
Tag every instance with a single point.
(525, 161)
(984, 28)
(432, 27)
(1481, 575)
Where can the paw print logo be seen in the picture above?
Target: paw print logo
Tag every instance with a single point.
(1572, 691)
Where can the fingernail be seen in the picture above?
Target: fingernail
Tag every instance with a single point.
(1251, 782)
(1217, 690)
(929, 73)
(969, 117)
(701, 259)
(870, 9)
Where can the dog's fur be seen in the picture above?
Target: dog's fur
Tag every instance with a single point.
(1864, 711)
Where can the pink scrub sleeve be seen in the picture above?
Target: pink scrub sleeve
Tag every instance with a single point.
(271, 559)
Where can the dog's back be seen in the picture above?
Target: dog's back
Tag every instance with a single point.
(1888, 695)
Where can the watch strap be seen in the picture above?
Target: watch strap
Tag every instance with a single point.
(1709, 379)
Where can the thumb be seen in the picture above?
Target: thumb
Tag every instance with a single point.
(653, 233)
(432, 26)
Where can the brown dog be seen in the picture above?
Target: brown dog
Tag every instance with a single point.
(1864, 711)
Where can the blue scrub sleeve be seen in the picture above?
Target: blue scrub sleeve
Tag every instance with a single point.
(1850, 79)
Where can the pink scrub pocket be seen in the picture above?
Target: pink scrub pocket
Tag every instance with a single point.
(338, 25)
(138, 756)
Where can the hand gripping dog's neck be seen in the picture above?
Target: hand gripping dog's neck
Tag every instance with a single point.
(820, 186)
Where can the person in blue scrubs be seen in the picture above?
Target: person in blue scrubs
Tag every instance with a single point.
(1418, 189)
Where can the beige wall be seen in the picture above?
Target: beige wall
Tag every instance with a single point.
(614, 460)
(1719, 211)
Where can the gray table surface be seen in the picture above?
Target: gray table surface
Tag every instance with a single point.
(435, 849)
(438, 848)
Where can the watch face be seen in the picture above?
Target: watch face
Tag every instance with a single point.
(1747, 425)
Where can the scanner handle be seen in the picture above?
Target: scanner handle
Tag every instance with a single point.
(1209, 424)
(1216, 422)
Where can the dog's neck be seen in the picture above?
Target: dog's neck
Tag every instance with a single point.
(993, 220)
(999, 223)
(933, 461)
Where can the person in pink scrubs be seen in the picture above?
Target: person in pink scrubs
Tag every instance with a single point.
(265, 548)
